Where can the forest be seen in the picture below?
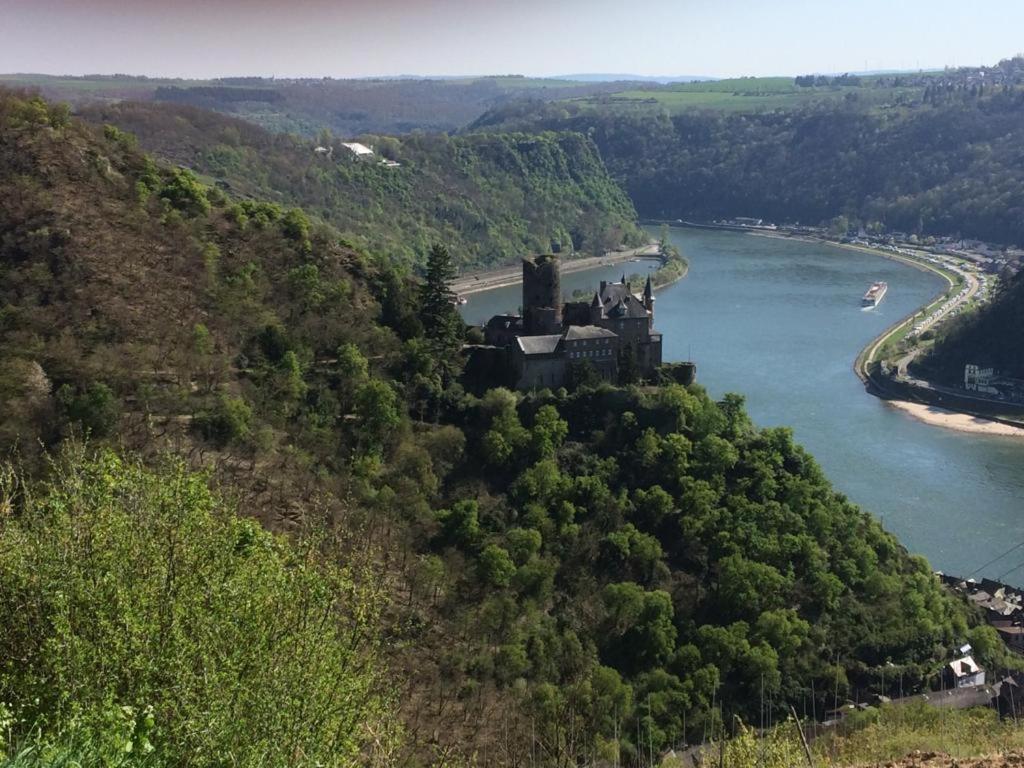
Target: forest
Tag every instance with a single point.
(223, 420)
(944, 162)
(492, 197)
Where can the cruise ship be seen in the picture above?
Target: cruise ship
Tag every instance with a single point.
(874, 295)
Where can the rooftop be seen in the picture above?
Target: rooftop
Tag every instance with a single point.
(964, 667)
(576, 332)
(360, 150)
(539, 345)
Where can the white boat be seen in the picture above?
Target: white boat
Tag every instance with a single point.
(874, 295)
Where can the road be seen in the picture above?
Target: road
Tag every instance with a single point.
(498, 278)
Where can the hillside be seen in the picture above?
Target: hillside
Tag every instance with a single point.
(942, 159)
(546, 577)
(491, 198)
(989, 337)
(305, 106)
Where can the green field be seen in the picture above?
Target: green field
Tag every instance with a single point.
(742, 95)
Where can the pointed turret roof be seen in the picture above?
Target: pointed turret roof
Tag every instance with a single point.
(596, 301)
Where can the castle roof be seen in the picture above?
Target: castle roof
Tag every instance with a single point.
(539, 345)
(577, 332)
(619, 302)
(505, 321)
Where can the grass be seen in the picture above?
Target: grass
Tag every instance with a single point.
(741, 95)
(893, 732)
(875, 737)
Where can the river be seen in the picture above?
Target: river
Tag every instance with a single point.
(780, 322)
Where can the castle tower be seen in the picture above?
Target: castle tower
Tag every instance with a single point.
(596, 308)
(542, 296)
(649, 300)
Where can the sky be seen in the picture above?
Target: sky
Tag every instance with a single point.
(340, 38)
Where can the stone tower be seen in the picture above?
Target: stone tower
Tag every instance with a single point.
(542, 296)
(649, 300)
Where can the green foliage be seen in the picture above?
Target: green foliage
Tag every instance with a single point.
(295, 226)
(639, 633)
(442, 324)
(228, 421)
(926, 163)
(561, 565)
(377, 415)
(139, 611)
(496, 566)
(989, 337)
(185, 193)
(95, 408)
(490, 198)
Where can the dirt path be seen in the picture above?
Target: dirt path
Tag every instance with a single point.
(499, 278)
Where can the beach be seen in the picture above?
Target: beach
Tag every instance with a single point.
(961, 422)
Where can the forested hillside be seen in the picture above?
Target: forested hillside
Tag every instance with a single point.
(492, 198)
(946, 163)
(305, 106)
(989, 336)
(543, 579)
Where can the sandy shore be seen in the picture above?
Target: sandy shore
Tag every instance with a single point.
(961, 422)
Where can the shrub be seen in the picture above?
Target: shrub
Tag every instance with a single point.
(125, 591)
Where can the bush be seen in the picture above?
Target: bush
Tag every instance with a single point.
(229, 421)
(124, 587)
(185, 193)
(95, 409)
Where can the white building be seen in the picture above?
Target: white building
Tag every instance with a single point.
(964, 673)
(360, 151)
(978, 379)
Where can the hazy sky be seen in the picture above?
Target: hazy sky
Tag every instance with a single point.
(339, 38)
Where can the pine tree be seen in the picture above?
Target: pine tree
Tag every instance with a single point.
(442, 324)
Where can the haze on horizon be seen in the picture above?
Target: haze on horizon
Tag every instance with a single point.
(340, 38)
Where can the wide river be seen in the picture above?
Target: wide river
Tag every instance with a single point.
(780, 322)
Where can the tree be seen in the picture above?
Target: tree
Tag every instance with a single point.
(441, 322)
(184, 192)
(496, 566)
(96, 409)
(378, 415)
(629, 366)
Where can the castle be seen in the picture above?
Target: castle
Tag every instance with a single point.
(551, 340)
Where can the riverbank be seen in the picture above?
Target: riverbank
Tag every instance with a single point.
(478, 282)
(960, 422)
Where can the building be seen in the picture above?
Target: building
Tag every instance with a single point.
(552, 339)
(359, 151)
(978, 379)
(964, 673)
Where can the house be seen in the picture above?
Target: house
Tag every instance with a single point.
(359, 151)
(1012, 634)
(964, 672)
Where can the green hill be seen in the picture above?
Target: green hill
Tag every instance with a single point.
(491, 198)
(940, 159)
(989, 336)
(562, 575)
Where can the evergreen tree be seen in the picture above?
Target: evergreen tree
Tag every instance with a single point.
(442, 324)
